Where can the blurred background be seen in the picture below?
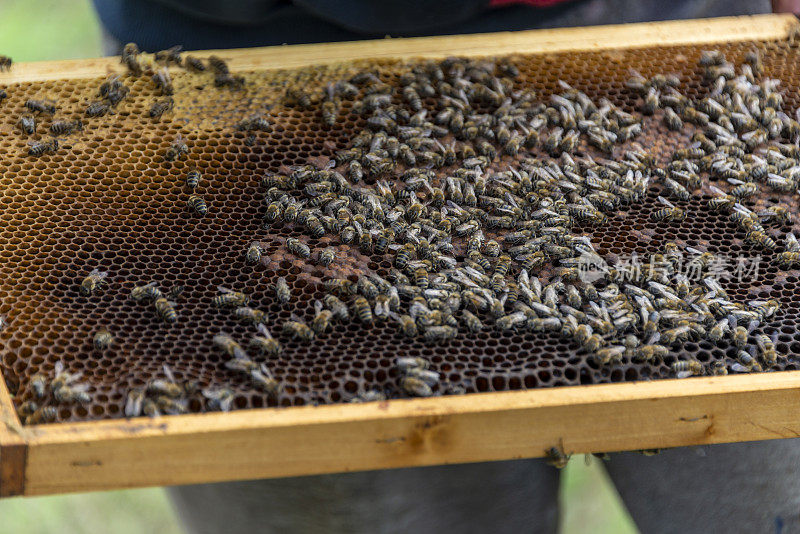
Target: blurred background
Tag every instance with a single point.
(35, 30)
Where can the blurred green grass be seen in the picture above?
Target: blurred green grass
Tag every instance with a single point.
(33, 30)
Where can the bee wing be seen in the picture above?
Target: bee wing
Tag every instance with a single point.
(59, 368)
(133, 404)
(693, 250)
(168, 373)
(665, 202)
(265, 371)
(222, 289)
(263, 330)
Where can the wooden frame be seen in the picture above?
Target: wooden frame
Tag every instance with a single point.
(264, 443)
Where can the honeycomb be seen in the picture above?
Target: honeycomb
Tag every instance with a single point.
(108, 200)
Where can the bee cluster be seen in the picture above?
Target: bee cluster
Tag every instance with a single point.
(479, 199)
(472, 235)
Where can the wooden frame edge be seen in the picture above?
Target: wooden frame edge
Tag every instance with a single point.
(269, 443)
(303, 441)
(13, 448)
(724, 29)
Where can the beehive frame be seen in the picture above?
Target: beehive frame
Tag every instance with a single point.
(67, 457)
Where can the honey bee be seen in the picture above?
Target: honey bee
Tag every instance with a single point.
(113, 90)
(719, 330)
(65, 389)
(322, 319)
(339, 308)
(103, 339)
(229, 80)
(170, 55)
(652, 352)
(274, 210)
(355, 172)
(721, 200)
(26, 409)
(41, 106)
(415, 387)
(675, 189)
(471, 321)
(39, 384)
(739, 336)
(298, 248)
(165, 387)
(198, 204)
(779, 214)
(177, 149)
(689, 153)
(134, 403)
(230, 298)
(440, 334)
(253, 253)
(282, 291)
(265, 343)
(39, 148)
(193, 63)
(218, 65)
(256, 122)
(260, 375)
(297, 97)
(230, 347)
(27, 123)
(760, 238)
(362, 310)
(221, 398)
(44, 414)
(91, 283)
(5, 63)
(609, 355)
(329, 108)
(166, 310)
(792, 254)
(148, 291)
(767, 349)
(670, 213)
(97, 109)
(130, 58)
(250, 315)
(66, 127)
(298, 330)
(746, 363)
(743, 189)
(163, 82)
(687, 368)
(327, 256)
(556, 457)
(160, 107)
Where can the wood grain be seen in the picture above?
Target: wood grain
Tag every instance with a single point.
(400, 433)
(13, 448)
(313, 440)
(726, 29)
